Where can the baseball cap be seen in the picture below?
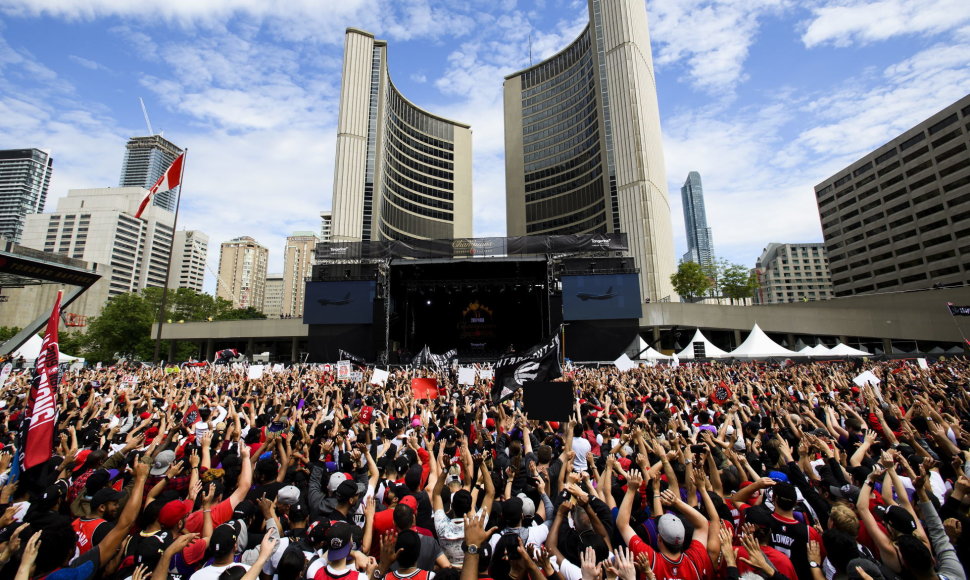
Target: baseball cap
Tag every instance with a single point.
(338, 541)
(103, 496)
(173, 512)
(897, 518)
(758, 515)
(671, 529)
(162, 462)
(847, 491)
(81, 458)
(223, 539)
(785, 492)
(346, 490)
(335, 480)
(868, 566)
(288, 495)
(528, 506)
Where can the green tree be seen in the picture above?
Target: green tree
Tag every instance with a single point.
(8, 332)
(123, 329)
(249, 313)
(715, 272)
(690, 281)
(738, 282)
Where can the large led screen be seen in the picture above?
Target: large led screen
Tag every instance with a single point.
(600, 297)
(339, 302)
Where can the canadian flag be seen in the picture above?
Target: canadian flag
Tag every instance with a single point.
(169, 180)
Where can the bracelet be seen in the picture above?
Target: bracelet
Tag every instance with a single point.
(207, 511)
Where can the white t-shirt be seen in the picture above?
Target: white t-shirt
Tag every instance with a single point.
(213, 572)
(581, 447)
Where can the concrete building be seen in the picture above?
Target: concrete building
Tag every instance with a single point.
(242, 272)
(401, 173)
(188, 260)
(146, 159)
(297, 265)
(25, 175)
(98, 226)
(583, 152)
(899, 218)
(326, 225)
(700, 243)
(273, 297)
(792, 273)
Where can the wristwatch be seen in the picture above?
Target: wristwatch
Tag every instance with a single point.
(471, 549)
(814, 565)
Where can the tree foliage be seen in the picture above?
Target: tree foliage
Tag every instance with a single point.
(738, 282)
(690, 281)
(123, 330)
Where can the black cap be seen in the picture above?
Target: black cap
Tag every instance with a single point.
(758, 515)
(103, 496)
(897, 518)
(346, 490)
(223, 540)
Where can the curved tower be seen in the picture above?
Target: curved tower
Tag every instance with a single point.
(401, 173)
(583, 152)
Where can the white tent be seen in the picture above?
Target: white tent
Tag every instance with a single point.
(759, 345)
(651, 354)
(807, 351)
(821, 350)
(710, 350)
(845, 350)
(30, 349)
(639, 350)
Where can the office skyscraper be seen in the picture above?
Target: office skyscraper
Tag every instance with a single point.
(190, 250)
(793, 273)
(25, 175)
(98, 225)
(273, 297)
(326, 225)
(401, 173)
(297, 264)
(700, 244)
(242, 272)
(583, 152)
(899, 217)
(146, 159)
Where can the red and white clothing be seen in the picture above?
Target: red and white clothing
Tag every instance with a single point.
(693, 563)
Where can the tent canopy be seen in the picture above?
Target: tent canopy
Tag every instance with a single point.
(759, 345)
(30, 349)
(710, 350)
(845, 350)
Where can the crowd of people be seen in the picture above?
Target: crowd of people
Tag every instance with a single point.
(703, 471)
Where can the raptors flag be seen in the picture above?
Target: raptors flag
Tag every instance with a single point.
(168, 181)
(539, 364)
(38, 429)
(958, 310)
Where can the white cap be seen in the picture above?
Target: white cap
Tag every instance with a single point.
(671, 529)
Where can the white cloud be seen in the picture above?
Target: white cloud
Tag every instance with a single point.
(87, 63)
(848, 22)
(711, 38)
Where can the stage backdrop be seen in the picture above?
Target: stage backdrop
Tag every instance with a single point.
(350, 302)
(601, 297)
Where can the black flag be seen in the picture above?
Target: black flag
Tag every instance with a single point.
(512, 372)
(958, 310)
(358, 360)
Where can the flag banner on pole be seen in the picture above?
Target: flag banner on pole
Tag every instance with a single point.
(512, 372)
(359, 360)
(426, 358)
(38, 432)
(169, 180)
(552, 401)
(958, 310)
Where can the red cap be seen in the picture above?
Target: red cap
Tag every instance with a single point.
(554, 425)
(625, 463)
(490, 422)
(145, 415)
(81, 458)
(409, 501)
(173, 512)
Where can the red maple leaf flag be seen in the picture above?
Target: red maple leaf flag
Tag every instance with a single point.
(169, 180)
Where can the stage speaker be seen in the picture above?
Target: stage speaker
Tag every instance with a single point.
(699, 350)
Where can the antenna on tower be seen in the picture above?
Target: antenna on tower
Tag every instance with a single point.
(145, 112)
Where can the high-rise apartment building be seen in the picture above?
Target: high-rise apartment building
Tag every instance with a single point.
(191, 248)
(899, 218)
(98, 225)
(273, 298)
(401, 173)
(146, 159)
(792, 273)
(326, 225)
(583, 152)
(297, 265)
(25, 175)
(700, 243)
(242, 272)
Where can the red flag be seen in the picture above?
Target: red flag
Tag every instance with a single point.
(721, 393)
(424, 388)
(42, 405)
(169, 180)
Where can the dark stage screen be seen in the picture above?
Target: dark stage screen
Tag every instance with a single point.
(350, 302)
(600, 297)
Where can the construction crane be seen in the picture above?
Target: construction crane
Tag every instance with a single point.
(144, 111)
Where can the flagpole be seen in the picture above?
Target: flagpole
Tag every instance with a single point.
(168, 265)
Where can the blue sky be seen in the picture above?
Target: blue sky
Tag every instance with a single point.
(765, 98)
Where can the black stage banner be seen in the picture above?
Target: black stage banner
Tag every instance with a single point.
(512, 372)
(465, 247)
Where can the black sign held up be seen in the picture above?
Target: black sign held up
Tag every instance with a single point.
(549, 401)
